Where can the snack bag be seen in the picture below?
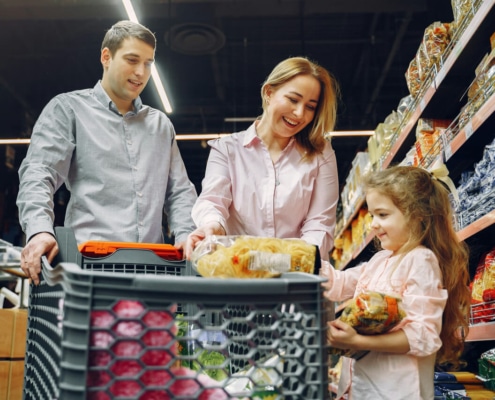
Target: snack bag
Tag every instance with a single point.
(370, 313)
(253, 257)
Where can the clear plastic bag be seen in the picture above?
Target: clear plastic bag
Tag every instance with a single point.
(253, 257)
(370, 313)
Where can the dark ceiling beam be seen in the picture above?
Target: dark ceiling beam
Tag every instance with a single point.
(21, 100)
(112, 9)
(386, 67)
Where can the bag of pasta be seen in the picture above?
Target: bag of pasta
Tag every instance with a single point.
(253, 257)
(370, 313)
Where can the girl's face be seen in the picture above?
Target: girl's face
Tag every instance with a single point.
(389, 223)
(292, 106)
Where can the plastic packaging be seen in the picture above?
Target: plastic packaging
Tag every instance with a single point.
(253, 257)
(371, 313)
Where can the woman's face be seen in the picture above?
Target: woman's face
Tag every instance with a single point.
(292, 106)
(389, 223)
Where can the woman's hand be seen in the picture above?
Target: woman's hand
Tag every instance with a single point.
(196, 236)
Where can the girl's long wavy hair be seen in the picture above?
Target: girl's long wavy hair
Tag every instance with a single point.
(425, 203)
(312, 137)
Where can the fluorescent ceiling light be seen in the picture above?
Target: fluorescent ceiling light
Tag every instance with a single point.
(131, 14)
(15, 141)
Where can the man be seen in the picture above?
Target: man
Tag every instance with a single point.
(117, 157)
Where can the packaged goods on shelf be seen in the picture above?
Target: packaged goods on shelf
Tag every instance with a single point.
(436, 38)
(428, 133)
(352, 193)
(483, 85)
(385, 132)
(483, 290)
(486, 368)
(476, 189)
(360, 227)
(462, 9)
(347, 245)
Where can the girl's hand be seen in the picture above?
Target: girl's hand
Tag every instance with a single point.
(342, 336)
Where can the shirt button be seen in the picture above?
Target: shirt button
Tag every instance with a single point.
(129, 142)
(139, 194)
(134, 168)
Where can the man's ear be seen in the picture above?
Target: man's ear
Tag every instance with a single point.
(105, 56)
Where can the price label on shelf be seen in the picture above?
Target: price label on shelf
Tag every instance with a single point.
(468, 129)
(447, 150)
(422, 104)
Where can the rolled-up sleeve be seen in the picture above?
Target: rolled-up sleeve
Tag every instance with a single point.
(424, 301)
(319, 224)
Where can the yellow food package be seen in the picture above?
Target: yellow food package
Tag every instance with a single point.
(253, 257)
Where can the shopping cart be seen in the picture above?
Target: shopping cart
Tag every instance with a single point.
(134, 326)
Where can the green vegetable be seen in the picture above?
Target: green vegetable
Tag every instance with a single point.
(206, 358)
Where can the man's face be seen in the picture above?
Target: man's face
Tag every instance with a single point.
(128, 71)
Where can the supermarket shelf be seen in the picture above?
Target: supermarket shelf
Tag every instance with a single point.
(461, 56)
(464, 56)
(484, 331)
(367, 240)
(408, 127)
(477, 226)
(359, 204)
(473, 28)
(485, 112)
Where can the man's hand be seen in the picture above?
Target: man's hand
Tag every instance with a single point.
(196, 236)
(39, 245)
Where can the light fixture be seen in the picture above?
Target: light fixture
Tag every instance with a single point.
(15, 141)
(131, 14)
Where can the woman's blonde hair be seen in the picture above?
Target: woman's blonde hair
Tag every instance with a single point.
(311, 138)
(425, 203)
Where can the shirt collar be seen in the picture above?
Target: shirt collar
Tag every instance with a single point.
(106, 101)
(251, 137)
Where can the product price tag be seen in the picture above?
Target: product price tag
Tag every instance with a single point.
(422, 104)
(447, 150)
(468, 129)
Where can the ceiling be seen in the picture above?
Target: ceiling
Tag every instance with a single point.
(213, 57)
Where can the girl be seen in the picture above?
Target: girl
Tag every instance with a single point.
(279, 177)
(422, 262)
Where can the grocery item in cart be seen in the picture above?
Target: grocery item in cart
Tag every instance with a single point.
(253, 257)
(370, 313)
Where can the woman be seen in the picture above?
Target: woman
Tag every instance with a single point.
(279, 177)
